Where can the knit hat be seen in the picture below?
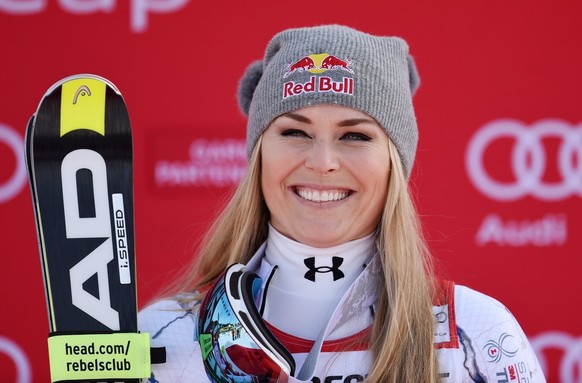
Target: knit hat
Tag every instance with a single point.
(334, 64)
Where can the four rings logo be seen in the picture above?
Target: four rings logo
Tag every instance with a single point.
(528, 160)
(18, 357)
(15, 182)
(570, 347)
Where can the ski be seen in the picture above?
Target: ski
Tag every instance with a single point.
(79, 155)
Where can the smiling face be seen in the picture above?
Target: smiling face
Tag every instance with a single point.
(325, 174)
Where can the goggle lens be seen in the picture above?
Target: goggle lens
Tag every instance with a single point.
(229, 353)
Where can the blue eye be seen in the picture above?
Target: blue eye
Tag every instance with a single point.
(293, 133)
(356, 136)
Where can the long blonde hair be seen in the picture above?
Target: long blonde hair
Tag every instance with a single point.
(403, 331)
(401, 340)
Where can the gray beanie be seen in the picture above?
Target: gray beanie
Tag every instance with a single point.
(334, 64)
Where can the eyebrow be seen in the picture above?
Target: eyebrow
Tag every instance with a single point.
(348, 122)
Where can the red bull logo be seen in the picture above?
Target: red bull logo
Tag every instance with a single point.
(319, 84)
(317, 64)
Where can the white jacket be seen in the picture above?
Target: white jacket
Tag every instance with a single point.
(477, 338)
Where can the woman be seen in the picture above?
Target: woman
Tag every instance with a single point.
(324, 218)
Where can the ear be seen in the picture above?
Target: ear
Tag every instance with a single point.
(247, 85)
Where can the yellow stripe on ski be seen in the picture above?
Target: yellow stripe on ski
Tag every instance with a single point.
(83, 105)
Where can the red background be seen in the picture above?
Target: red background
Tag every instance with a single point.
(479, 62)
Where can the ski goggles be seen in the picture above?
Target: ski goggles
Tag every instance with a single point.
(236, 344)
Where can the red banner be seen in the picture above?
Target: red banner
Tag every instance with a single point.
(498, 174)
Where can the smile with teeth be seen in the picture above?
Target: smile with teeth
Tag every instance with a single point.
(321, 195)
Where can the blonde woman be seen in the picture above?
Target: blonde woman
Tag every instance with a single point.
(316, 271)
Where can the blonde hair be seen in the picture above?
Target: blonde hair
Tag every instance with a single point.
(401, 339)
(403, 331)
(236, 234)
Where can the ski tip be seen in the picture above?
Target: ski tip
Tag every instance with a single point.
(81, 76)
(76, 77)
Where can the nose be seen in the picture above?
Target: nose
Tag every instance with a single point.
(322, 158)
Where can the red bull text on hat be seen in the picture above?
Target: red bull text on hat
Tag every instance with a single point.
(334, 64)
(317, 64)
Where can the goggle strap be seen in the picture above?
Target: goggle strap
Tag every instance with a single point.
(308, 368)
(272, 343)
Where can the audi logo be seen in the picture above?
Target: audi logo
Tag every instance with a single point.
(528, 160)
(571, 361)
(17, 180)
(15, 353)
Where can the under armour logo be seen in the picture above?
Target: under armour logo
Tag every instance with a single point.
(336, 263)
